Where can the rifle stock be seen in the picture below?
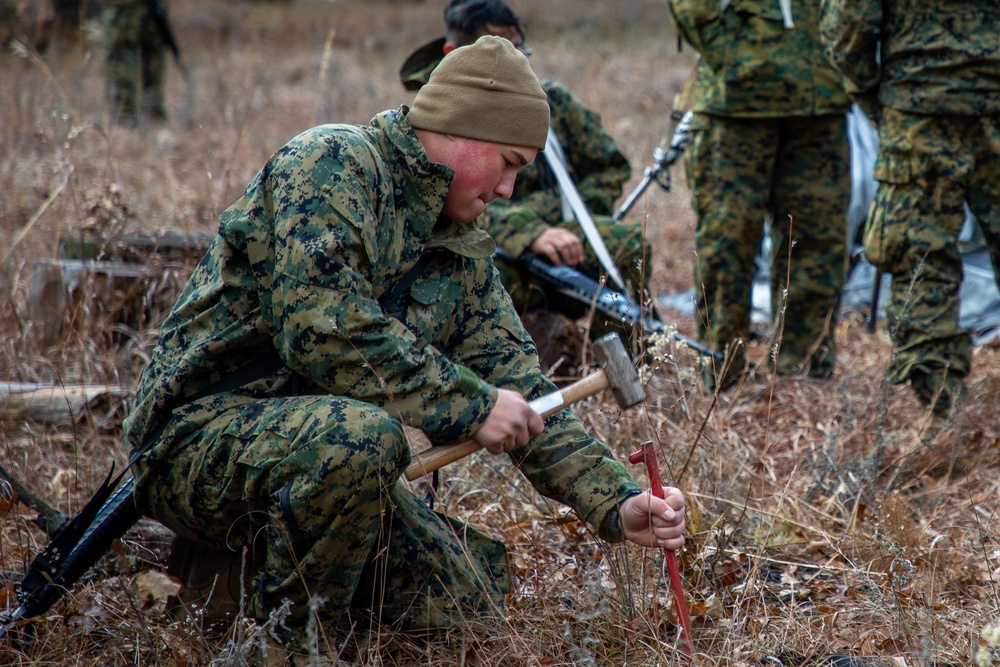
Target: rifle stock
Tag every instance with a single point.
(73, 551)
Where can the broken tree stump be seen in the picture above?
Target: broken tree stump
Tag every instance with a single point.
(98, 283)
(65, 291)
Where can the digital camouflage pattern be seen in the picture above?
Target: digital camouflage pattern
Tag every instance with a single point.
(751, 66)
(136, 67)
(304, 463)
(936, 98)
(942, 58)
(769, 173)
(768, 141)
(599, 169)
(321, 473)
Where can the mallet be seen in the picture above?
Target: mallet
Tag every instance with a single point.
(615, 372)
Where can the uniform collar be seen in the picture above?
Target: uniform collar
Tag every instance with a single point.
(420, 188)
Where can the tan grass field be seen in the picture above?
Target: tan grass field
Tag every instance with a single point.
(823, 518)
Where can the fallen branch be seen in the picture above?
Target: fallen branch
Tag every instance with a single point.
(60, 405)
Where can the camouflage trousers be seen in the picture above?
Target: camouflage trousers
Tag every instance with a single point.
(136, 61)
(311, 485)
(627, 247)
(927, 168)
(794, 172)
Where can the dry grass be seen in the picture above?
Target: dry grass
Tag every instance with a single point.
(823, 518)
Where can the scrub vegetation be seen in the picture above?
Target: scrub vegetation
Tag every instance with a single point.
(825, 517)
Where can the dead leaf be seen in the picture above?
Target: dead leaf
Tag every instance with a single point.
(8, 596)
(7, 504)
(154, 586)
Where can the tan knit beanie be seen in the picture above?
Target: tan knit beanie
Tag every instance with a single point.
(484, 91)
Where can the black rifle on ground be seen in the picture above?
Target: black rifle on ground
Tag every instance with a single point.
(74, 549)
(610, 303)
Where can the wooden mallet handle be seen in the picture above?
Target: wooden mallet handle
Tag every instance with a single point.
(435, 457)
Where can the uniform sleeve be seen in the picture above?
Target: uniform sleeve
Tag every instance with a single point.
(850, 32)
(328, 207)
(697, 21)
(563, 463)
(515, 225)
(597, 165)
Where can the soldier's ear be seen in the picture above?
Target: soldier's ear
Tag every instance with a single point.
(449, 47)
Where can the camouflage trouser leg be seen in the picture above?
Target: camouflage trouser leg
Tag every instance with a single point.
(795, 172)
(811, 194)
(312, 484)
(136, 61)
(927, 167)
(435, 571)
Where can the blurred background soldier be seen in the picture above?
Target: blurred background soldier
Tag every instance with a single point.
(935, 98)
(138, 36)
(537, 218)
(769, 141)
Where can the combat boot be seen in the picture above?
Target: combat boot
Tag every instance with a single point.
(212, 583)
(943, 392)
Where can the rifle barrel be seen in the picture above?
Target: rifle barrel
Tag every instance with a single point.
(662, 159)
(607, 301)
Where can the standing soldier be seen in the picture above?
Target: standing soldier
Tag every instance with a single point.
(769, 140)
(928, 74)
(138, 38)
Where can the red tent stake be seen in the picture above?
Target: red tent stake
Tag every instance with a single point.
(647, 455)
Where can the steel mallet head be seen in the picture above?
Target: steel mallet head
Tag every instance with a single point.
(609, 351)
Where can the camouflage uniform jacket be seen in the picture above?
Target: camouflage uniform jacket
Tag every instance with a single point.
(596, 163)
(322, 232)
(937, 56)
(751, 66)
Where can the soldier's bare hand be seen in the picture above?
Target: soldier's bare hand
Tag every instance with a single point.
(654, 522)
(511, 424)
(560, 245)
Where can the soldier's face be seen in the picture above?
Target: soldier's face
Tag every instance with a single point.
(484, 171)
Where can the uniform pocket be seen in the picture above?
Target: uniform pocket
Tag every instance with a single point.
(265, 437)
(885, 235)
(435, 301)
(874, 239)
(893, 167)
